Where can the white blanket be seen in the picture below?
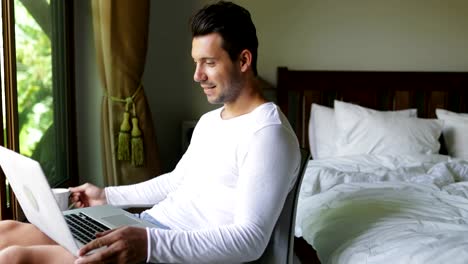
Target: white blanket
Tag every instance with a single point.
(382, 209)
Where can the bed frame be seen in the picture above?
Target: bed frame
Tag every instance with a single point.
(390, 90)
(381, 90)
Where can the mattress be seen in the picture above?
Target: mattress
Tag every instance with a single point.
(385, 209)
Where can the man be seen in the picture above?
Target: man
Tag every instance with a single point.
(222, 200)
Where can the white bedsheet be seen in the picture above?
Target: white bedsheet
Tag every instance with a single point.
(382, 209)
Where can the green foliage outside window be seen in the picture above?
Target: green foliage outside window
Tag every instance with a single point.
(34, 80)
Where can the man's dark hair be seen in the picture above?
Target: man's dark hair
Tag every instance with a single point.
(233, 23)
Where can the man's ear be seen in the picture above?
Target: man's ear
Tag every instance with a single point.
(245, 60)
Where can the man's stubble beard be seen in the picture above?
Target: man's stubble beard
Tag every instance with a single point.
(230, 94)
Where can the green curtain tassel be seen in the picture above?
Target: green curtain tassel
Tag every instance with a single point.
(130, 142)
(123, 150)
(138, 156)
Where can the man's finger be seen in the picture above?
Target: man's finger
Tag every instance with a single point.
(76, 196)
(105, 233)
(108, 255)
(96, 243)
(77, 201)
(102, 241)
(79, 204)
(80, 188)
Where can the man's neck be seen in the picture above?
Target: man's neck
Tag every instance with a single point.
(242, 106)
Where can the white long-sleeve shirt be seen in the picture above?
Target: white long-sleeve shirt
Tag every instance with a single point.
(222, 200)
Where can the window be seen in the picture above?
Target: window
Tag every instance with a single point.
(37, 106)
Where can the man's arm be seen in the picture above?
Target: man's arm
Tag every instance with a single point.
(145, 193)
(267, 172)
(150, 192)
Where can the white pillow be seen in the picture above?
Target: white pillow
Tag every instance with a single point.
(322, 129)
(366, 131)
(455, 132)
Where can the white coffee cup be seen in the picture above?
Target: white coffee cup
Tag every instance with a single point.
(61, 196)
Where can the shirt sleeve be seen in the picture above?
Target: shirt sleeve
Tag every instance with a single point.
(148, 193)
(266, 173)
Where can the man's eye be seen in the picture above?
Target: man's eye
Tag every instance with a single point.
(210, 63)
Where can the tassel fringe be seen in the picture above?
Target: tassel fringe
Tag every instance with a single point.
(138, 156)
(123, 147)
(130, 145)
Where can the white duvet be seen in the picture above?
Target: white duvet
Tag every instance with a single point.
(383, 209)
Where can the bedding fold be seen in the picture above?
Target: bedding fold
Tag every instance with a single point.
(385, 209)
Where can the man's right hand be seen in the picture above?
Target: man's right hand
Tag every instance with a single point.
(87, 195)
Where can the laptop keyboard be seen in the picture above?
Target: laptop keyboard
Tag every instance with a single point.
(83, 227)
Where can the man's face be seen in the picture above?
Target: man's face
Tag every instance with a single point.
(217, 74)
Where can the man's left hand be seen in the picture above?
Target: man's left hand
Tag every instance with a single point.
(123, 245)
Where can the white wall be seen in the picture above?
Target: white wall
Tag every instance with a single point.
(168, 76)
(418, 35)
(423, 35)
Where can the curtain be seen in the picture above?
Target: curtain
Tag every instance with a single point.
(129, 148)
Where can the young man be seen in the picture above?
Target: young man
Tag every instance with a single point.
(221, 202)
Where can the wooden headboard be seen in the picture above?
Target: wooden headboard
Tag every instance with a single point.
(381, 90)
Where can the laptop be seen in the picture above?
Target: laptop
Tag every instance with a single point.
(71, 229)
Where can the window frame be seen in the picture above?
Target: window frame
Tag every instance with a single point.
(64, 98)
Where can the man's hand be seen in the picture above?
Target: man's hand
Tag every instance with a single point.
(124, 245)
(87, 195)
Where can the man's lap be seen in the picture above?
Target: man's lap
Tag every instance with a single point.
(147, 217)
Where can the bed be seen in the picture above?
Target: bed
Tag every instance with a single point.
(388, 182)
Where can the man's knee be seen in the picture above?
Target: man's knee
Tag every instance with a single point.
(13, 254)
(6, 225)
(7, 229)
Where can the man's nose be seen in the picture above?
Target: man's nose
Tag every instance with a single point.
(199, 75)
